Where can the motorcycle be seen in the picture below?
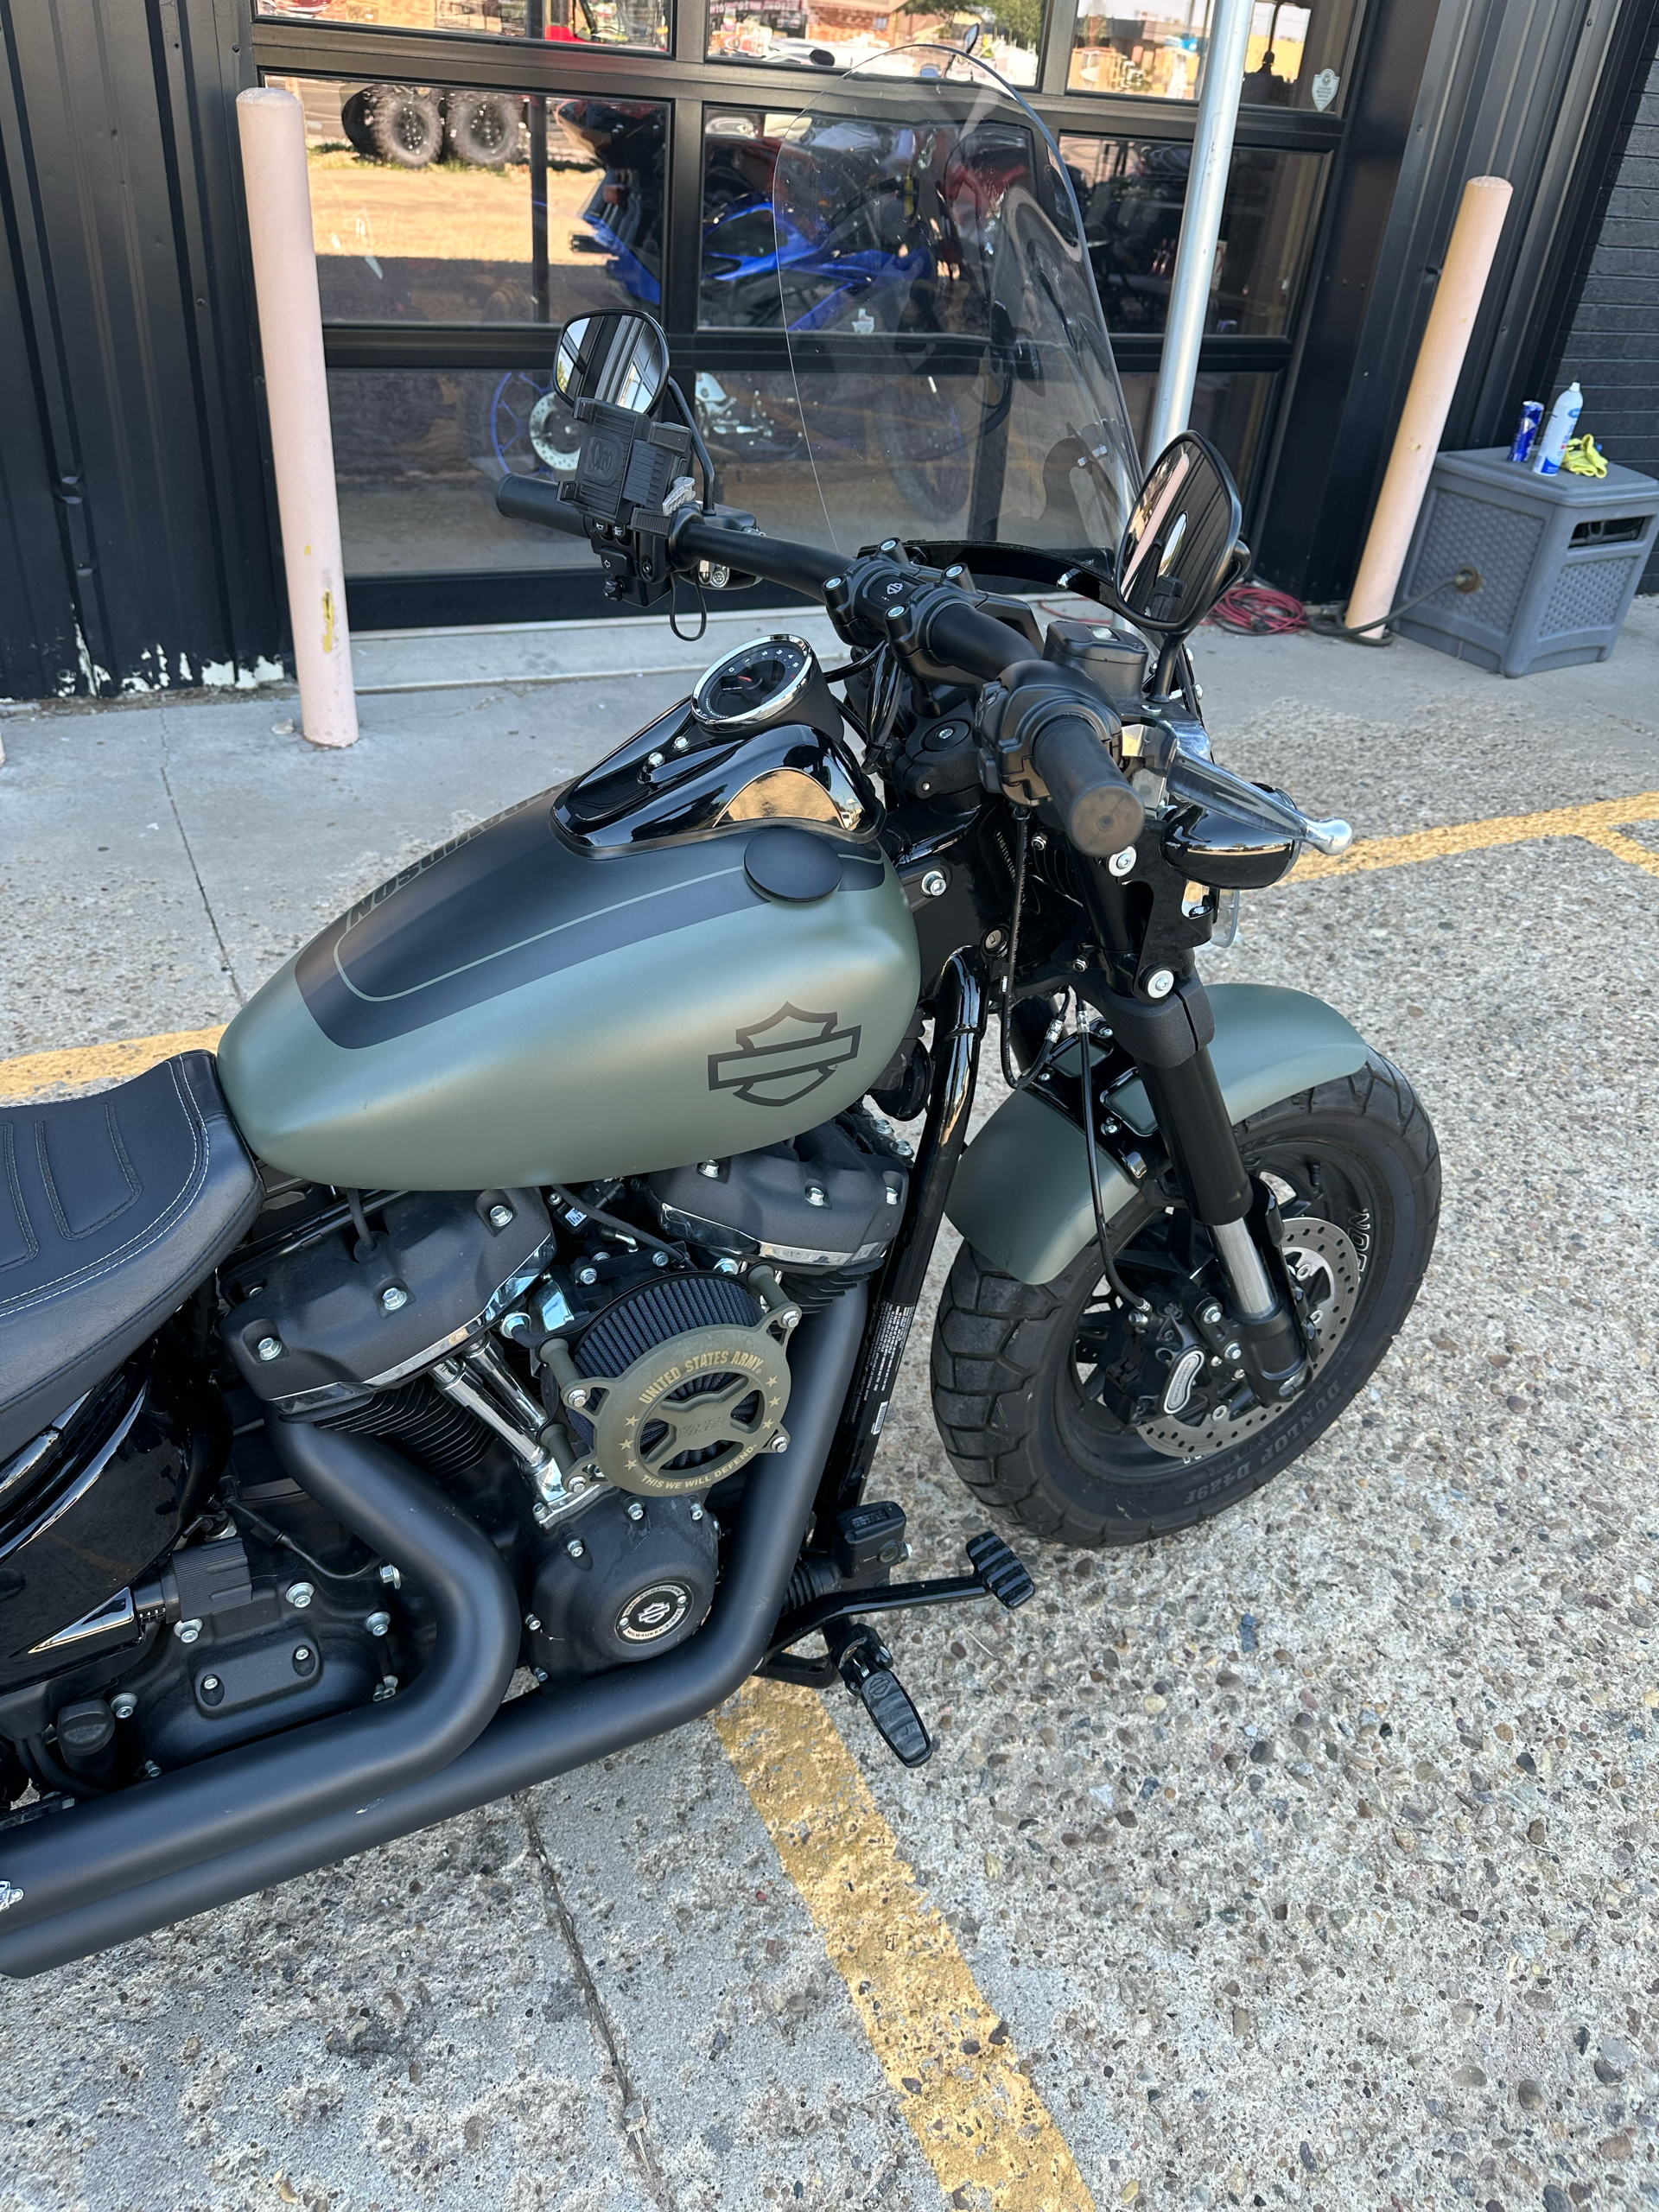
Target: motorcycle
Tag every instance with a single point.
(520, 1296)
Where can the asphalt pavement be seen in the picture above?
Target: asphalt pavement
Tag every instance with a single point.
(1304, 1858)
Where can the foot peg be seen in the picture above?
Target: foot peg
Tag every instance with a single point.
(865, 1665)
(996, 1569)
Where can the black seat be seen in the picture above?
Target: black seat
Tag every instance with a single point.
(112, 1209)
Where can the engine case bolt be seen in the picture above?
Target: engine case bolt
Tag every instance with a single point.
(635, 1510)
(500, 1217)
(212, 1690)
(1160, 983)
(696, 1513)
(269, 1347)
(123, 1704)
(299, 1595)
(187, 1631)
(394, 1296)
(815, 1195)
(390, 1576)
(587, 1277)
(710, 1168)
(304, 1659)
(1121, 863)
(726, 1266)
(654, 759)
(532, 1622)
(995, 939)
(892, 1194)
(577, 1548)
(377, 1623)
(541, 1515)
(1232, 1351)
(541, 1674)
(1209, 1315)
(659, 1259)
(935, 883)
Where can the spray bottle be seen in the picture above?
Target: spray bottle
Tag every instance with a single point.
(1552, 440)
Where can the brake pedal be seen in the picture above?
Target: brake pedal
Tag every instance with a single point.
(997, 1569)
(865, 1665)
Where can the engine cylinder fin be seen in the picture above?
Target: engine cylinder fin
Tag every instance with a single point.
(443, 1439)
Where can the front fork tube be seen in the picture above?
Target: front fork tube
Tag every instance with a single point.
(1193, 1120)
(958, 1028)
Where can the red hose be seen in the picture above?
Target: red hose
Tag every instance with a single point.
(1258, 611)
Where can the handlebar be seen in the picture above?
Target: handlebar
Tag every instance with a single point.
(531, 499)
(797, 567)
(1099, 812)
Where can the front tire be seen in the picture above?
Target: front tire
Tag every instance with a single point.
(1013, 1362)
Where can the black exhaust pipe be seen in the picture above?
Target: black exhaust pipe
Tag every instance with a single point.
(167, 1827)
(535, 1738)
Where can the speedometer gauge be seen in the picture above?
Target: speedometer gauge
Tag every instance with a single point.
(760, 684)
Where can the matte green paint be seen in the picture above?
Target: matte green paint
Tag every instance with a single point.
(601, 1068)
(1021, 1195)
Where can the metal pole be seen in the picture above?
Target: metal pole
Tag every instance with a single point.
(535, 26)
(271, 124)
(1206, 187)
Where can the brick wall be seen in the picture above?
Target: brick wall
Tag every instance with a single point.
(1610, 343)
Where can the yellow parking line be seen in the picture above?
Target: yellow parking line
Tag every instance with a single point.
(981, 2125)
(35, 1072)
(1626, 848)
(1593, 822)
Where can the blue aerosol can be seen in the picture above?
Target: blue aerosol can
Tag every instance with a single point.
(1526, 432)
(1551, 438)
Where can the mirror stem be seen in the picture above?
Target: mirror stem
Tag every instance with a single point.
(689, 419)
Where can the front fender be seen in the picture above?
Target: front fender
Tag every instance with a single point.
(1020, 1194)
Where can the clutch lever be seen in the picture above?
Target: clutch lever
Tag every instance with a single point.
(1191, 775)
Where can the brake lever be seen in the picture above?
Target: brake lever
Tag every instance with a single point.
(1192, 775)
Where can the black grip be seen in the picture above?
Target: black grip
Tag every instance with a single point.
(1099, 812)
(532, 498)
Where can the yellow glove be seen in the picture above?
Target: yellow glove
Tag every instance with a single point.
(1583, 458)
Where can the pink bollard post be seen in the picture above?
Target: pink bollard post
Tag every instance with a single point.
(272, 127)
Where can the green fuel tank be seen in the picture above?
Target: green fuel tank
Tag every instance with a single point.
(564, 994)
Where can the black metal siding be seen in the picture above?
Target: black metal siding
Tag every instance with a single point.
(125, 353)
(1508, 88)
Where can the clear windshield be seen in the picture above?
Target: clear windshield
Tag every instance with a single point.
(950, 362)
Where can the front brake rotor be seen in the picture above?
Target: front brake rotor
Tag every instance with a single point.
(1322, 1259)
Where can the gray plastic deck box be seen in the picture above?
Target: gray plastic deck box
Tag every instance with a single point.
(1560, 558)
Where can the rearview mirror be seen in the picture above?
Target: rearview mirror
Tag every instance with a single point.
(1177, 556)
(621, 360)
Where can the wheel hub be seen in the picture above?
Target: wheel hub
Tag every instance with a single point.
(1324, 1262)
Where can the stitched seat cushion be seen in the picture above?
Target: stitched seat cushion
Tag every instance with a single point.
(112, 1209)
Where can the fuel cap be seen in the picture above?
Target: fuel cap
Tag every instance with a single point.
(793, 864)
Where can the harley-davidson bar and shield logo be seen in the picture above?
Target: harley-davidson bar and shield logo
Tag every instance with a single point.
(783, 1057)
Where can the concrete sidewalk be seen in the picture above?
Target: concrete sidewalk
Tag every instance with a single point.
(1303, 1860)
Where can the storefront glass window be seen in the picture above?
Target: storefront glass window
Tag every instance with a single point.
(739, 286)
(1295, 58)
(1132, 192)
(838, 34)
(1230, 407)
(488, 207)
(418, 454)
(584, 22)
